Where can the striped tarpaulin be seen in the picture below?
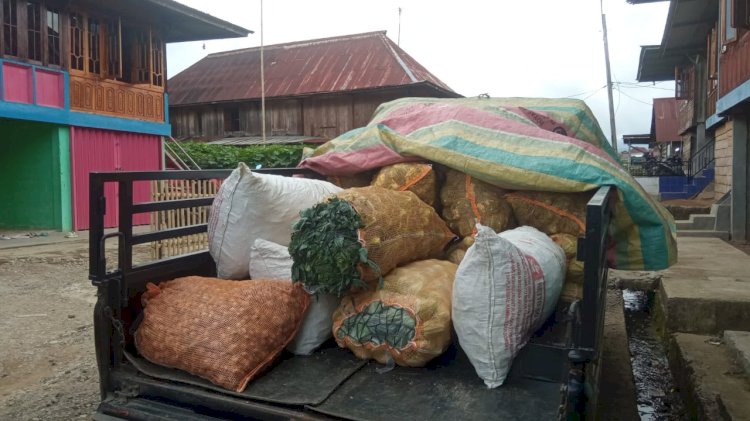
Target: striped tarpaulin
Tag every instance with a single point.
(514, 143)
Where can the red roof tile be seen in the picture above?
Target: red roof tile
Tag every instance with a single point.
(347, 63)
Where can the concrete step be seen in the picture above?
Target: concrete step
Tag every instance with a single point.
(738, 343)
(723, 235)
(712, 384)
(707, 291)
(697, 222)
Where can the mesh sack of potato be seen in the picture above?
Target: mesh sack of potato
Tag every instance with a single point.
(362, 179)
(551, 213)
(418, 178)
(467, 201)
(456, 252)
(573, 286)
(361, 234)
(408, 320)
(223, 331)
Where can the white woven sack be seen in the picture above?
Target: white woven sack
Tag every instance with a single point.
(252, 205)
(506, 286)
(272, 261)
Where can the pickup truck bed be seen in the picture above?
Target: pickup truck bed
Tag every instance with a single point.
(546, 379)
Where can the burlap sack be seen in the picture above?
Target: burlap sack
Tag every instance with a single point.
(409, 319)
(348, 181)
(418, 178)
(223, 331)
(551, 213)
(398, 228)
(467, 201)
(573, 287)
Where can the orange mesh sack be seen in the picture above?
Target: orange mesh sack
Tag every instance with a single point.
(468, 201)
(551, 213)
(223, 331)
(418, 178)
(408, 320)
(573, 287)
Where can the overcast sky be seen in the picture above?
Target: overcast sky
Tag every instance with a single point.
(534, 48)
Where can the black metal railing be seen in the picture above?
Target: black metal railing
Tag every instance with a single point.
(701, 159)
(654, 168)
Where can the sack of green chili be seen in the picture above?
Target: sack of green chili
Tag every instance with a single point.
(408, 320)
(360, 235)
(467, 201)
(416, 177)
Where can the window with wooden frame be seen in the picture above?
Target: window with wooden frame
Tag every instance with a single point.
(114, 49)
(93, 45)
(10, 27)
(728, 31)
(684, 83)
(54, 51)
(77, 34)
(741, 15)
(34, 31)
(157, 61)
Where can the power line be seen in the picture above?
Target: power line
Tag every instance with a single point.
(586, 92)
(635, 99)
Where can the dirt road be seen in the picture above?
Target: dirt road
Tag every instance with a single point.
(47, 363)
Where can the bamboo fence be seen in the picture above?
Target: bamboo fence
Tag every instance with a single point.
(162, 190)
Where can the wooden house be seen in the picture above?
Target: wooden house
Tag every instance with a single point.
(313, 89)
(83, 88)
(706, 51)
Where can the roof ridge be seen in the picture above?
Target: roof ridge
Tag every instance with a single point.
(388, 44)
(296, 44)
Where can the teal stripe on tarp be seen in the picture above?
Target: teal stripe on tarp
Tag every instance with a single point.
(651, 228)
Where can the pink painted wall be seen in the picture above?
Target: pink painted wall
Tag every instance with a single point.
(50, 89)
(104, 150)
(17, 83)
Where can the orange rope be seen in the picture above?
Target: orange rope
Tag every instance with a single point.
(473, 202)
(558, 211)
(416, 179)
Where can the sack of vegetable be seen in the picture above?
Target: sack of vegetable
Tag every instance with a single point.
(467, 201)
(362, 179)
(407, 320)
(551, 213)
(224, 331)
(506, 286)
(272, 261)
(573, 287)
(457, 251)
(418, 178)
(253, 205)
(360, 235)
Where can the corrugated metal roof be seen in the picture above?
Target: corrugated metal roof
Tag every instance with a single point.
(664, 120)
(270, 140)
(347, 63)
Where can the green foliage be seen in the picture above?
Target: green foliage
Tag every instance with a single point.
(227, 156)
(326, 249)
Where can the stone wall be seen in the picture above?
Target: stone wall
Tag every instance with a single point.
(723, 158)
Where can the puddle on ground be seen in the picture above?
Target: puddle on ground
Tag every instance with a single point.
(658, 398)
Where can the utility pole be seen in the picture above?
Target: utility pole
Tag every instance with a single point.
(398, 40)
(262, 81)
(609, 80)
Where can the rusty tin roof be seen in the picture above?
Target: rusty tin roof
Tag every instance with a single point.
(339, 64)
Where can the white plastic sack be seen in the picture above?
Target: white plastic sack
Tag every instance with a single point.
(506, 286)
(250, 206)
(272, 261)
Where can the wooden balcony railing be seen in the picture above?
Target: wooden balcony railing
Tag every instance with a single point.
(117, 99)
(734, 67)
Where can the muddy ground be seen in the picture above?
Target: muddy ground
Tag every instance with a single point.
(47, 363)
